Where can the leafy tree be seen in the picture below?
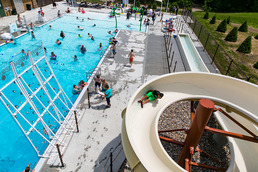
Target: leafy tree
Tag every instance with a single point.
(246, 45)
(206, 16)
(222, 26)
(228, 20)
(232, 35)
(154, 6)
(256, 37)
(243, 27)
(137, 3)
(213, 20)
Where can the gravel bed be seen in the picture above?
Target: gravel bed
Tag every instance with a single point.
(178, 116)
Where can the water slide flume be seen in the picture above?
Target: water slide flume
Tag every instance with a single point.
(141, 142)
(190, 56)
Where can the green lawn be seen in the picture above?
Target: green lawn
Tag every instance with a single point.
(244, 61)
(239, 18)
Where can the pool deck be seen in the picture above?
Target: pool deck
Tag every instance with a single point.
(100, 128)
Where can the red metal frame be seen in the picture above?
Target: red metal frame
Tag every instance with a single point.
(231, 134)
(181, 129)
(207, 166)
(171, 141)
(235, 121)
(199, 121)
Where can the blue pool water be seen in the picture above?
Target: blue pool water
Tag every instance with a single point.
(15, 150)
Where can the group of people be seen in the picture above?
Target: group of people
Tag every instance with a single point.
(103, 89)
(78, 88)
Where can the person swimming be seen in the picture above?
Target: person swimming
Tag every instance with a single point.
(62, 34)
(116, 30)
(100, 46)
(80, 28)
(83, 49)
(89, 35)
(58, 42)
(75, 58)
(94, 25)
(92, 38)
(33, 35)
(24, 52)
(53, 56)
(79, 35)
(109, 32)
(76, 89)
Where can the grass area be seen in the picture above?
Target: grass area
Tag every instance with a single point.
(244, 61)
(239, 18)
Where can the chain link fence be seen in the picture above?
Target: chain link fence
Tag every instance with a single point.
(222, 60)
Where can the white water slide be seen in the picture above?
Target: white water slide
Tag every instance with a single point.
(141, 142)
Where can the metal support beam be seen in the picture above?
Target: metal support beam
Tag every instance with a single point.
(201, 118)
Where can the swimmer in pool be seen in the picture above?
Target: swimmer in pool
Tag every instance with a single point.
(24, 52)
(33, 35)
(58, 42)
(79, 35)
(75, 58)
(100, 46)
(80, 28)
(53, 56)
(83, 49)
(109, 32)
(62, 34)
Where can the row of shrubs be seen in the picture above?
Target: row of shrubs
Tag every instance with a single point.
(246, 45)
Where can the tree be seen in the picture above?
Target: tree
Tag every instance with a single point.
(137, 3)
(246, 45)
(206, 16)
(256, 37)
(232, 35)
(213, 20)
(222, 26)
(255, 65)
(228, 20)
(243, 27)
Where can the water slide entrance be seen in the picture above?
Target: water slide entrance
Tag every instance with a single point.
(141, 141)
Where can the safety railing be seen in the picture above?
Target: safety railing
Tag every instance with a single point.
(108, 166)
(223, 61)
(169, 53)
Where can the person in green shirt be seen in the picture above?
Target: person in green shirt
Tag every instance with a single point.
(150, 96)
(108, 94)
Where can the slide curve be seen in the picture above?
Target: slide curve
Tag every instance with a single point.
(141, 143)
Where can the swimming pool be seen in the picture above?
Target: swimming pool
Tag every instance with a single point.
(13, 156)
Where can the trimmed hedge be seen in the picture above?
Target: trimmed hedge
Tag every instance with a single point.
(213, 20)
(232, 35)
(243, 27)
(206, 16)
(246, 46)
(222, 26)
(256, 37)
(228, 20)
(255, 65)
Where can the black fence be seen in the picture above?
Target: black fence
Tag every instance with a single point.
(222, 60)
